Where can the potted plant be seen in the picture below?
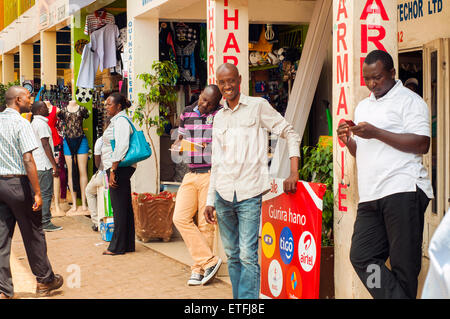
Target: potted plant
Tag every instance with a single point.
(153, 212)
(318, 168)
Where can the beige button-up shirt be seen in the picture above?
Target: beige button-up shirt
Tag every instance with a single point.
(240, 148)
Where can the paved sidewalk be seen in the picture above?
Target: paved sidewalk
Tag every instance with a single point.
(144, 274)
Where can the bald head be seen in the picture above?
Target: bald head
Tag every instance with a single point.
(14, 92)
(18, 97)
(228, 67)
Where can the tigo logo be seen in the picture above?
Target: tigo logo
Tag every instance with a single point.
(286, 245)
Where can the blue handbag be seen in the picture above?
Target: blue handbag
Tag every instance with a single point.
(138, 150)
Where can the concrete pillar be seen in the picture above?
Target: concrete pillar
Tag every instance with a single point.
(48, 58)
(141, 55)
(227, 24)
(8, 68)
(358, 28)
(26, 62)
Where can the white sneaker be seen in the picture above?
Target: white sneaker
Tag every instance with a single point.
(195, 280)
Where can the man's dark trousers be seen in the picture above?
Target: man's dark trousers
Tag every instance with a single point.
(390, 227)
(16, 202)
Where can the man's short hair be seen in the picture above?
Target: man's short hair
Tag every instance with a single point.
(382, 56)
(216, 92)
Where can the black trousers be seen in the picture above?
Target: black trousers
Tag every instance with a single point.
(16, 201)
(123, 239)
(390, 227)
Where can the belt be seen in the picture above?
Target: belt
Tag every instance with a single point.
(11, 176)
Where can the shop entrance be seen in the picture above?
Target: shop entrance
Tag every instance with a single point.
(430, 67)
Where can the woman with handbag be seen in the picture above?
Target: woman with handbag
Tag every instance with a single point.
(117, 137)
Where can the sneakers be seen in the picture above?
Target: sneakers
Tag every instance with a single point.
(211, 272)
(50, 227)
(195, 280)
(53, 285)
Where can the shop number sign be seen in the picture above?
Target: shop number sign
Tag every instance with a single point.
(291, 241)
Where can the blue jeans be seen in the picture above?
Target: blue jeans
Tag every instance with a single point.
(46, 184)
(239, 228)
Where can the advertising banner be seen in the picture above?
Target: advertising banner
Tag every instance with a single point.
(291, 241)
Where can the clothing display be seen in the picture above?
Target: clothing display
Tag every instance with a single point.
(103, 52)
(88, 68)
(186, 43)
(73, 121)
(97, 20)
(103, 43)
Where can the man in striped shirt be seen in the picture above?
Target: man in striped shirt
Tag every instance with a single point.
(17, 171)
(196, 126)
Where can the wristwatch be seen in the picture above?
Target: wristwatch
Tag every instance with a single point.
(113, 170)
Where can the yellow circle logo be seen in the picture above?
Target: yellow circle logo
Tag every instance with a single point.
(268, 241)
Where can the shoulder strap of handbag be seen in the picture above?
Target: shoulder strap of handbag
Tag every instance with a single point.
(131, 123)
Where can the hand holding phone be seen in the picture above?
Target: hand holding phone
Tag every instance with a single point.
(350, 123)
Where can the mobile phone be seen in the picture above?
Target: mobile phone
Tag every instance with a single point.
(350, 123)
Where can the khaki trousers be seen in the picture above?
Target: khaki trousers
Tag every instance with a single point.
(199, 239)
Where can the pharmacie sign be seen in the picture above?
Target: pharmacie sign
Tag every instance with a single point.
(291, 241)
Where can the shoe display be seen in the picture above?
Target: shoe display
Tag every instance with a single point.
(211, 272)
(53, 285)
(50, 227)
(195, 280)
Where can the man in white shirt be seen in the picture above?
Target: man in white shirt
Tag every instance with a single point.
(391, 134)
(240, 176)
(96, 180)
(45, 162)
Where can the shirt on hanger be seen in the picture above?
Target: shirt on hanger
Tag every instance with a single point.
(104, 45)
(97, 20)
(88, 68)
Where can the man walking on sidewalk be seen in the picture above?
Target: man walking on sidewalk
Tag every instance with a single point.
(17, 171)
(45, 161)
(196, 126)
(240, 176)
(391, 134)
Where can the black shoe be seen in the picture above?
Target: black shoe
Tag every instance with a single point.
(195, 280)
(94, 227)
(211, 272)
(50, 227)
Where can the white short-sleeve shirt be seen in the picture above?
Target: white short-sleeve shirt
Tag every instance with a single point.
(382, 169)
(42, 130)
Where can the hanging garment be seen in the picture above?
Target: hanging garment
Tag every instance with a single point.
(88, 68)
(97, 20)
(104, 45)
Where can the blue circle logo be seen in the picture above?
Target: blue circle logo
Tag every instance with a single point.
(286, 245)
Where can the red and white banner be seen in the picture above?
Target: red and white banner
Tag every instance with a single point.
(291, 241)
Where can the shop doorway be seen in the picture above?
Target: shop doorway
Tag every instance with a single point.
(430, 67)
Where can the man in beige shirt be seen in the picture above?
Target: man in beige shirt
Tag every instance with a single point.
(240, 176)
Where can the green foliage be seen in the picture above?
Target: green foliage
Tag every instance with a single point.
(160, 91)
(318, 168)
(3, 89)
(159, 94)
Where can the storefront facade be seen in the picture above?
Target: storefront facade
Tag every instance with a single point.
(417, 30)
